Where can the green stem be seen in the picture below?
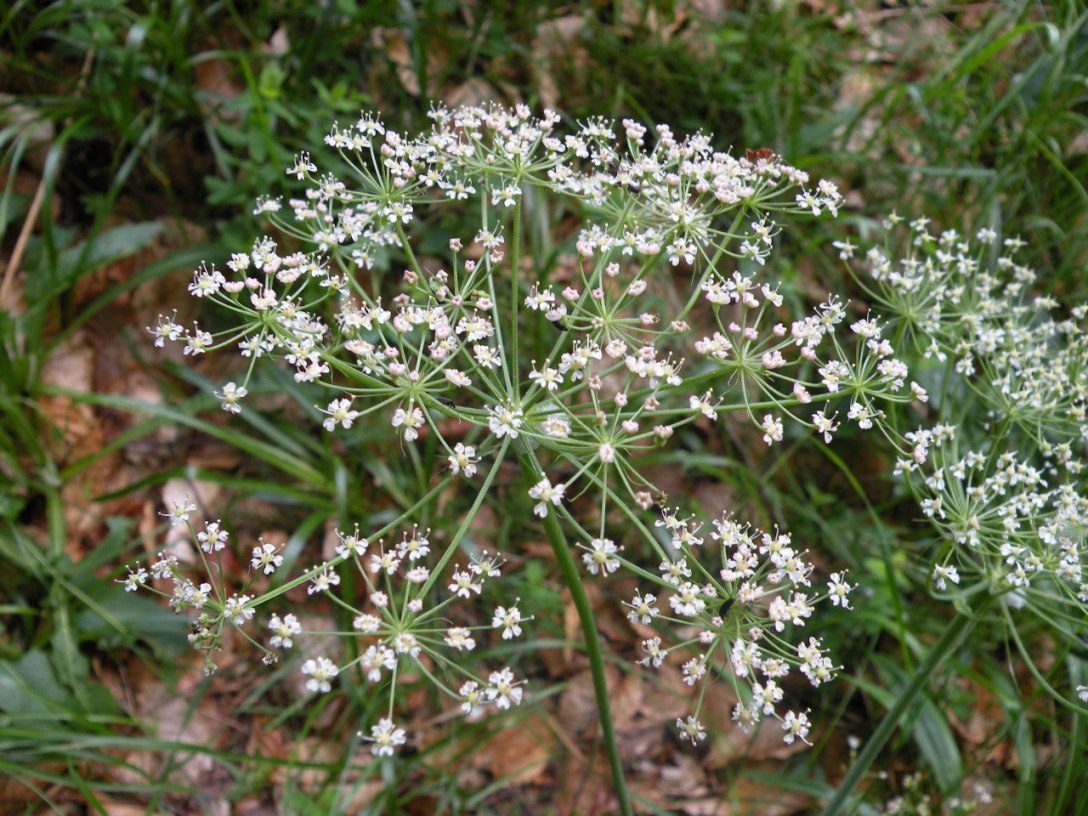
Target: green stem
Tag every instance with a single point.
(957, 629)
(573, 580)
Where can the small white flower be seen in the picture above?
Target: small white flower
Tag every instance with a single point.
(135, 579)
(601, 557)
(266, 558)
(796, 726)
(655, 655)
(509, 620)
(503, 691)
(691, 729)
(825, 425)
(703, 405)
(323, 580)
(545, 492)
(412, 420)
(339, 413)
(862, 414)
(283, 631)
(772, 429)
(179, 512)
(642, 609)
(236, 611)
(472, 699)
(941, 574)
(366, 623)
(231, 395)
(386, 738)
(838, 590)
(463, 460)
(459, 638)
(212, 538)
(505, 421)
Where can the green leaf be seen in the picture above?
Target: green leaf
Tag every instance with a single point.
(72, 667)
(44, 284)
(29, 686)
(140, 616)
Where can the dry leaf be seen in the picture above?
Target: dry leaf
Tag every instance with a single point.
(519, 754)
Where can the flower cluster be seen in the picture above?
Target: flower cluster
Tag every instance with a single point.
(999, 465)
(406, 626)
(660, 316)
(740, 616)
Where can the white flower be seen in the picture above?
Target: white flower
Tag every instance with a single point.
(323, 580)
(544, 492)
(505, 421)
(556, 426)
(796, 726)
(687, 602)
(179, 512)
(642, 608)
(691, 729)
(862, 414)
(509, 620)
(236, 611)
(503, 691)
(231, 395)
(302, 166)
(941, 574)
(655, 655)
(459, 638)
(412, 420)
(135, 579)
(772, 429)
(549, 379)
(339, 413)
(212, 538)
(283, 631)
(601, 557)
(463, 460)
(838, 590)
(266, 558)
(825, 425)
(366, 623)
(386, 738)
(472, 699)
(703, 405)
(462, 584)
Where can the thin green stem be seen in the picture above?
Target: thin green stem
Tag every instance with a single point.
(957, 629)
(573, 580)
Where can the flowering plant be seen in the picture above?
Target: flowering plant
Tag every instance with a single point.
(661, 317)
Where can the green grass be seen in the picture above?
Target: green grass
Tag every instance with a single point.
(113, 110)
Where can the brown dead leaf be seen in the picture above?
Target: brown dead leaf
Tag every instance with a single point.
(214, 77)
(557, 43)
(519, 754)
(476, 91)
(176, 718)
(578, 703)
(115, 808)
(395, 46)
(628, 702)
(754, 796)
(313, 750)
(578, 706)
(585, 788)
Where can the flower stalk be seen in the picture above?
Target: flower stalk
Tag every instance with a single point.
(953, 636)
(571, 577)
